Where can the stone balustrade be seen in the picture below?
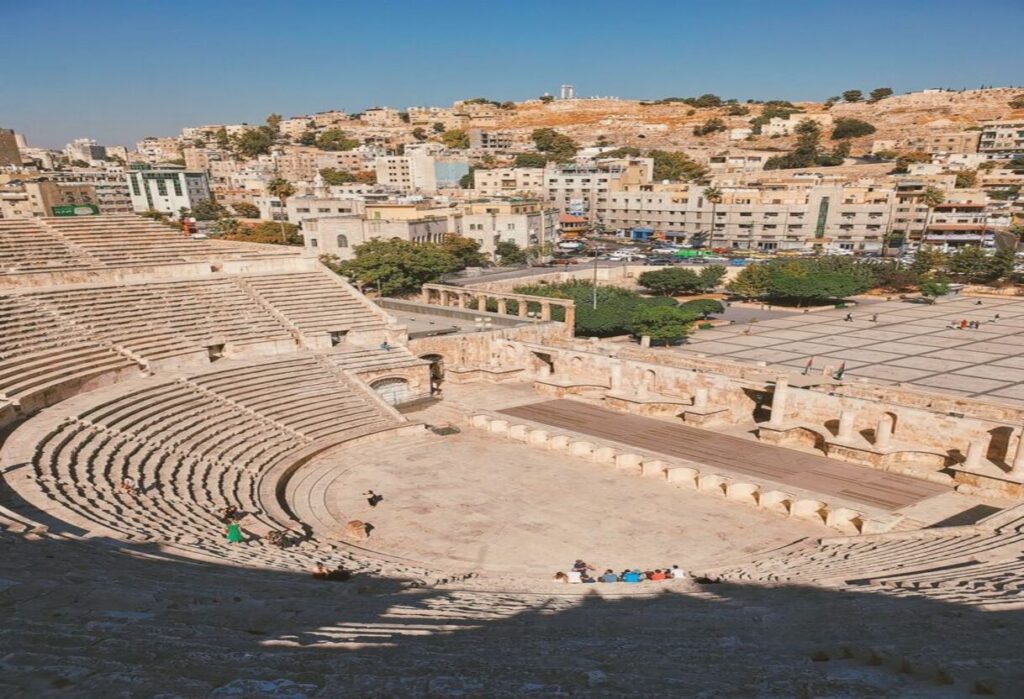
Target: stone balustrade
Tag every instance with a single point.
(476, 299)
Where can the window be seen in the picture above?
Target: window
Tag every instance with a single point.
(511, 227)
(161, 187)
(342, 241)
(312, 242)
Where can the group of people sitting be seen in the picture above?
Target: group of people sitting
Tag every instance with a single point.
(339, 574)
(965, 324)
(583, 573)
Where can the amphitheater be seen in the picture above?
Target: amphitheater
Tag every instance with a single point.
(843, 538)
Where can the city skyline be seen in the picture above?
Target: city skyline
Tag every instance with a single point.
(150, 70)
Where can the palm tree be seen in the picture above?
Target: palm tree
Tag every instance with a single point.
(713, 195)
(932, 197)
(282, 189)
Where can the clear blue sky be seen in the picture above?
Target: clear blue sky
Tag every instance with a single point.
(119, 70)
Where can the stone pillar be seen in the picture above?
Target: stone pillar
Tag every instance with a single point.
(1017, 467)
(425, 295)
(523, 307)
(645, 340)
(846, 425)
(502, 306)
(545, 310)
(700, 399)
(883, 433)
(975, 453)
(570, 317)
(779, 396)
(481, 302)
(615, 375)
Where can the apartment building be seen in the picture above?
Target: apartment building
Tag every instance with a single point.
(1002, 136)
(493, 141)
(428, 116)
(770, 217)
(302, 208)
(201, 158)
(909, 211)
(739, 161)
(583, 189)
(159, 149)
(419, 222)
(413, 172)
(110, 189)
(508, 181)
(45, 197)
(329, 118)
(9, 153)
(524, 222)
(167, 190)
(777, 126)
(85, 150)
(296, 126)
(963, 219)
(381, 116)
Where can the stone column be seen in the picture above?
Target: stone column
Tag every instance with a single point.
(779, 396)
(700, 399)
(481, 302)
(425, 295)
(570, 317)
(503, 306)
(1017, 467)
(883, 432)
(523, 307)
(975, 453)
(645, 340)
(846, 425)
(545, 310)
(616, 375)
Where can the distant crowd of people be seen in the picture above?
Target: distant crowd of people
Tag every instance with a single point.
(584, 573)
(965, 324)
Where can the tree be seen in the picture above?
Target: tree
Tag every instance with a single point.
(737, 110)
(455, 139)
(265, 232)
(751, 282)
(282, 189)
(466, 251)
(366, 177)
(403, 117)
(806, 151)
(714, 196)
(437, 127)
(335, 140)
(703, 307)
(274, 124)
(927, 259)
(468, 181)
(227, 226)
(663, 324)
(903, 160)
(893, 278)
(419, 133)
(308, 138)
(933, 286)
(530, 160)
(711, 276)
(709, 126)
(879, 94)
(853, 96)
(1017, 102)
(807, 283)
(546, 98)
(558, 146)
(246, 210)
(670, 281)
(397, 266)
(509, 253)
(972, 264)
(223, 140)
(333, 176)
(624, 152)
(208, 210)
(851, 128)
(676, 166)
(253, 142)
(931, 197)
(966, 179)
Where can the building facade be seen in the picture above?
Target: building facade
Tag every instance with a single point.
(1002, 136)
(167, 191)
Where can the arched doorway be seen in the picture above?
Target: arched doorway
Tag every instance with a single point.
(392, 391)
(436, 371)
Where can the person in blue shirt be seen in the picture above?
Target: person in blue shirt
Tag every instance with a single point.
(632, 576)
(609, 577)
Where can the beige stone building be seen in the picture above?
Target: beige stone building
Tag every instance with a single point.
(524, 222)
(37, 198)
(508, 181)
(381, 116)
(584, 189)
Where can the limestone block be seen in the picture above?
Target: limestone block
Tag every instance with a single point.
(538, 437)
(559, 442)
(880, 524)
(582, 449)
(518, 432)
(775, 501)
(813, 510)
(498, 427)
(653, 467)
(743, 492)
(713, 483)
(480, 421)
(605, 455)
(683, 476)
(628, 462)
(845, 520)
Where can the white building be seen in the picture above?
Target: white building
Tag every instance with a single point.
(168, 191)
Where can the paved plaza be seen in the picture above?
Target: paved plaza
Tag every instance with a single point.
(913, 343)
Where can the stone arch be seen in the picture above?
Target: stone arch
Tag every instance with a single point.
(393, 390)
(342, 240)
(650, 379)
(436, 371)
